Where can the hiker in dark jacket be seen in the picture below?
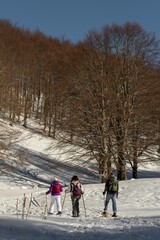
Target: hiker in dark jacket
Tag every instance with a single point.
(76, 190)
(111, 188)
(55, 191)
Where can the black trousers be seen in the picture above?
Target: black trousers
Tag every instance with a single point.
(75, 205)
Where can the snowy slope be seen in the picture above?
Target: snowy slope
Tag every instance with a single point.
(138, 202)
(138, 209)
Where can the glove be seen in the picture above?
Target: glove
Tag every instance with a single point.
(104, 193)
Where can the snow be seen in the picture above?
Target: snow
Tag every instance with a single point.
(138, 201)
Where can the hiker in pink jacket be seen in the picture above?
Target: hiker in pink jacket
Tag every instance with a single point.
(55, 191)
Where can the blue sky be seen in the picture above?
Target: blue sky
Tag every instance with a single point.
(72, 19)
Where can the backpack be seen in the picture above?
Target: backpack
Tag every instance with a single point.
(56, 188)
(76, 190)
(113, 185)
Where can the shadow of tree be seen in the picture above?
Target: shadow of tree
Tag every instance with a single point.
(41, 169)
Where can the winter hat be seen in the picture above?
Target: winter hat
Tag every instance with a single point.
(74, 178)
(55, 179)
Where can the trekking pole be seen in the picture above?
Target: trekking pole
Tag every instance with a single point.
(45, 210)
(104, 198)
(84, 206)
(63, 200)
(104, 201)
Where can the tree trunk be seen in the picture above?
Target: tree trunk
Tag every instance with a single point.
(104, 168)
(134, 171)
(121, 172)
(121, 167)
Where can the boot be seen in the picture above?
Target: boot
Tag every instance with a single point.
(104, 213)
(114, 215)
(49, 213)
(59, 213)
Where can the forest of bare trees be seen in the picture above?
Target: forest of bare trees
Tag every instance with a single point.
(101, 94)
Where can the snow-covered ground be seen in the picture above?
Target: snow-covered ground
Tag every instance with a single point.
(138, 201)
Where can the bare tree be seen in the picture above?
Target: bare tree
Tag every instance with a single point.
(111, 81)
